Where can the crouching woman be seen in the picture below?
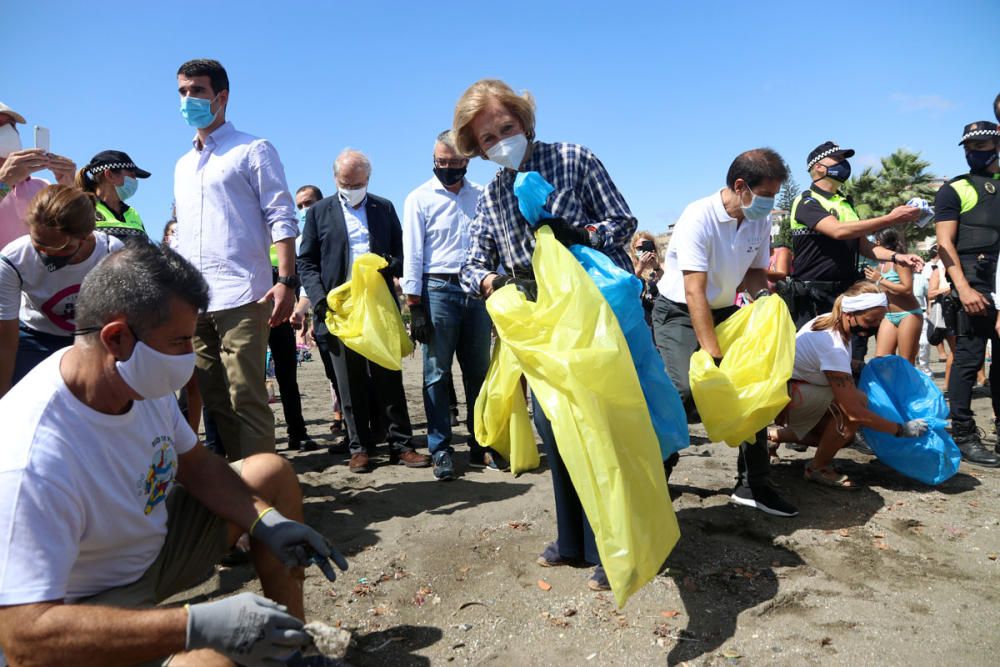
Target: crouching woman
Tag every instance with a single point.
(826, 407)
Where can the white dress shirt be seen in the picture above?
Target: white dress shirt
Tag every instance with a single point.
(232, 204)
(436, 231)
(358, 237)
(706, 238)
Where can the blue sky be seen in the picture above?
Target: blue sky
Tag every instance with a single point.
(666, 93)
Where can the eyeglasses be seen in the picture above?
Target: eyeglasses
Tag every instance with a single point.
(456, 163)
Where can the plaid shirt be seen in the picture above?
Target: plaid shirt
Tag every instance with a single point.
(584, 195)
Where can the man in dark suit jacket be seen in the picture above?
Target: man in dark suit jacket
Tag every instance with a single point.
(337, 230)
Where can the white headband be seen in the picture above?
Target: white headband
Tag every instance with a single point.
(854, 304)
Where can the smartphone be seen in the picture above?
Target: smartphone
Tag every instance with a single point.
(42, 138)
(647, 246)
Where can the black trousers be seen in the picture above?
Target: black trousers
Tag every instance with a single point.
(281, 340)
(971, 333)
(676, 341)
(358, 381)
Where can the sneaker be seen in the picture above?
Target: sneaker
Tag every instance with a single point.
(763, 498)
(410, 459)
(488, 461)
(598, 580)
(444, 469)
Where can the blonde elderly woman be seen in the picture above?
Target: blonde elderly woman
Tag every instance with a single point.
(495, 123)
(826, 407)
(646, 265)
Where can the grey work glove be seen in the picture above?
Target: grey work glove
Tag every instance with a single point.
(913, 429)
(296, 544)
(246, 628)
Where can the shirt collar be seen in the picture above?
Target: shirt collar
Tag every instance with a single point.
(216, 136)
(821, 191)
(361, 207)
(439, 187)
(720, 208)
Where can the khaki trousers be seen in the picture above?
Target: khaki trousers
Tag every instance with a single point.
(231, 347)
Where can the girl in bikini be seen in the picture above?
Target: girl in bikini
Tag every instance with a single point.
(901, 327)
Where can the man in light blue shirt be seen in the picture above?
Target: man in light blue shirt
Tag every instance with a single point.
(444, 319)
(232, 204)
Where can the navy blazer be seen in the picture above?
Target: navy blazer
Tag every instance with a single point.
(323, 261)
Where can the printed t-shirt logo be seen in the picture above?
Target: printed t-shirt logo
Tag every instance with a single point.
(161, 473)
(61, 308)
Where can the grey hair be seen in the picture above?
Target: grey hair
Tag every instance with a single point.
(448, 139)
(352, 155)
(137, 282)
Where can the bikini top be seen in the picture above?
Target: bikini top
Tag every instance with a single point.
(891, 275)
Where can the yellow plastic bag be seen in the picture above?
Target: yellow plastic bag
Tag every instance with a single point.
(363, 314)
(573, 352)
(748, 390)
(501, 415)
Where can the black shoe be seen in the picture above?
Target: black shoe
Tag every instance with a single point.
(860, 445)
(966, 436)
(339, 449)
(454, 418)
(763, 498)
(444, 469)
(305, 443)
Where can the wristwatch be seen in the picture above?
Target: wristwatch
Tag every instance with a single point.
(290, 281)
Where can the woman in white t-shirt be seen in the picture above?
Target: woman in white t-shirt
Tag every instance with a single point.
(40, 276)
(826, 407)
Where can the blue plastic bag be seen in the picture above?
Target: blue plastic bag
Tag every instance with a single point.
(622, 291)
(899, 392)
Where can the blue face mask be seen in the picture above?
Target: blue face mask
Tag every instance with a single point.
(839, 172)
(127, 189)
(301, 215)
(197, 112)
(759, 206)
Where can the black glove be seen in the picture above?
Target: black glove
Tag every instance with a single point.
(395, 266)
(566, 233)
(420, 325)
(529, 288)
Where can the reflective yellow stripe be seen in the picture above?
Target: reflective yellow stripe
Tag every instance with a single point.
(967, 194)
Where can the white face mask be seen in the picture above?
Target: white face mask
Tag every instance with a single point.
(509, 152)
(353, 197)
(10, 140)
(153, 374)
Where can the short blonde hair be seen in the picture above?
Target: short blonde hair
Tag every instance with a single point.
(475, 98)
(647, 236)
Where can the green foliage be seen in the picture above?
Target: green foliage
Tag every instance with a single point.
(903, 176)
(789, 191)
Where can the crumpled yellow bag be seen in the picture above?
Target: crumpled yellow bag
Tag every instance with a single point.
(501, 416)
(748, 390)
(572, 350)
(363, 314)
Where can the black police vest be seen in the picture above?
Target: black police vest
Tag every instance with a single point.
(979, 222)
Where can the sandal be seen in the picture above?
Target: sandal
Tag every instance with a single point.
(598, 580)
(552, 558)
(828, 476)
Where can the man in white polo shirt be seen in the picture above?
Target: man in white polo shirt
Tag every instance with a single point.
(720, 243)
(232, 204)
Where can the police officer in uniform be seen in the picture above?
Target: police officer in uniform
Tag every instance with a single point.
(111, 177)
(828, 235)
(967, 213)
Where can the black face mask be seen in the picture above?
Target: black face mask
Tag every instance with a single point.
(54, 262)
(839, 172)
(980, 160)
(449, 175)
(863, 331)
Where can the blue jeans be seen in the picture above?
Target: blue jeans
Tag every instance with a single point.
(461, 326)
